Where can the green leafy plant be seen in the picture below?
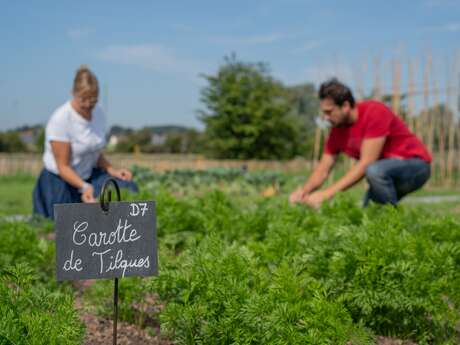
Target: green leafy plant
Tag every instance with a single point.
(32, 314)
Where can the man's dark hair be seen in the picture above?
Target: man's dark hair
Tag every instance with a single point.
(337, 91)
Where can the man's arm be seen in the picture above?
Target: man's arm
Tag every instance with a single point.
(316, 179)
(371, 149)
(320, 173)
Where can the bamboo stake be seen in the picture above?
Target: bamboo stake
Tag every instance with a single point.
(317, 148)
(423, 113)
(423, 122)
(437, 128)
(429, 117)
(396, 94)
(451, 126)
(457, 96)
(377, 94)
(359, 80)
(362, 72)
(410, 99)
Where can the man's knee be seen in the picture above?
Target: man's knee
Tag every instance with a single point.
(374, 173)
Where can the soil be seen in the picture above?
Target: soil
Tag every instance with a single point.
(393, 341)
(99, 330)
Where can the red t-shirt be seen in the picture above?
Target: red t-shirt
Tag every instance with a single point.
(376, 120)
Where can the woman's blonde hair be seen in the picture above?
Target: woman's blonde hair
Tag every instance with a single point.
(85, 80)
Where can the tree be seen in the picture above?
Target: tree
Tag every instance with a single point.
(187, 141)
(304, 105)
(40, 141)
(11, 142)
(248, 114)
(140, 138)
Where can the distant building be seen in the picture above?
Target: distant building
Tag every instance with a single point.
(113, 140)
(28, 137)
(158, 138)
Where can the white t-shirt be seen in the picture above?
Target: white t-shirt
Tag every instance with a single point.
(86, 138)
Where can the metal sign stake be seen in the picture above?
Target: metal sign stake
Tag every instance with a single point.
(110, 239)
(105, 208)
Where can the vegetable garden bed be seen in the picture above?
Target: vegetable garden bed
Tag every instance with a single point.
(237, 267)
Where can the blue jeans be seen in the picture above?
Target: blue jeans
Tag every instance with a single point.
(51, 189)
(391, 179)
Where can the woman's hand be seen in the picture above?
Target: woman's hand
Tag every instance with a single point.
(122, 174)
(88, 194)
(61, 151)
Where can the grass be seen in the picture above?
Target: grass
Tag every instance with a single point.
(16, 194)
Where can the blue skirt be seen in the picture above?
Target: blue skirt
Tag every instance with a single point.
(51, 189)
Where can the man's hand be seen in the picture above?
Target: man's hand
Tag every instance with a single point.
(297, 195)
(316, 179)
(87, 195)
(315, 199)
(122, 174)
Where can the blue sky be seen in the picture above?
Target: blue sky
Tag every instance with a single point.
(148, 55)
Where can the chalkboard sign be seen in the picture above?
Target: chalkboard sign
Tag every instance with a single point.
(93, 244)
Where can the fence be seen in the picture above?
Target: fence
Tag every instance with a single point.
(11, 164)
(32, 164)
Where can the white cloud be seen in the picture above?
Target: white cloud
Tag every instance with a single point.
(249, 40)
(79, 33)
(451, 27)
(306, 47)
(320, 73)
(441, 3)
(182, 28)
(317, 74)
(448, 27)
(150, 56)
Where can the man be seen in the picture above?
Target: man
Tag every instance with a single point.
(393, 160)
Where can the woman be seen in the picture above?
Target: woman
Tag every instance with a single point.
(74, 166)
